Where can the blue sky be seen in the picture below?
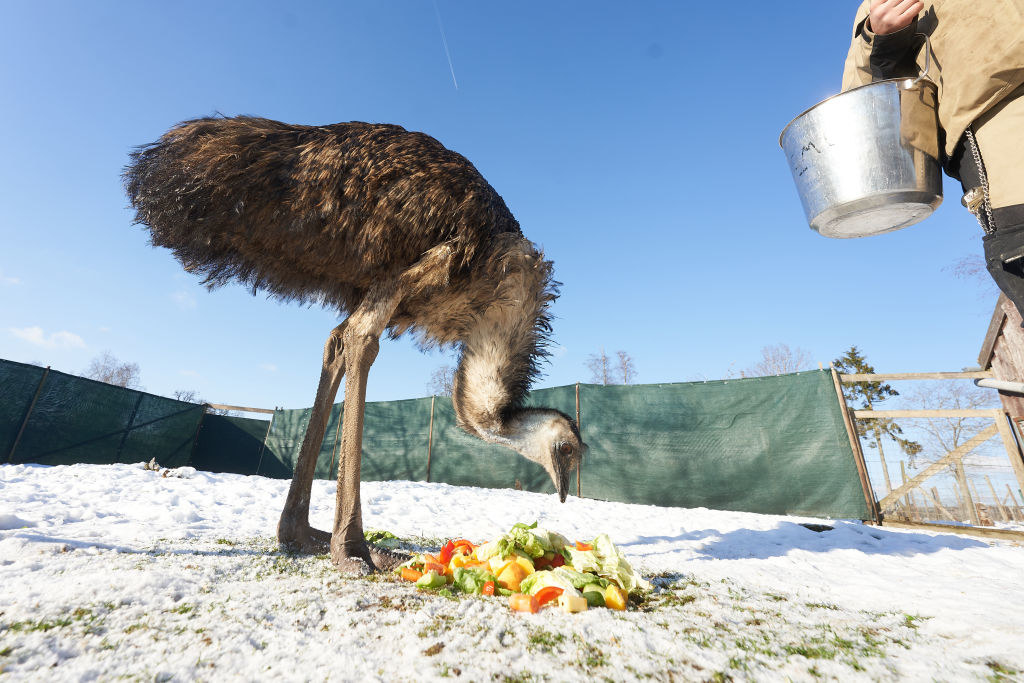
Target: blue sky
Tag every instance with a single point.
(635, 142)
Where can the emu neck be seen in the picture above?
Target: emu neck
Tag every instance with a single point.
(497, 364)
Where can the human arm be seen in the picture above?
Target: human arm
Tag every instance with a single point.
(884, 42)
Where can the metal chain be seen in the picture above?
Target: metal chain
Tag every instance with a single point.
(988, 225)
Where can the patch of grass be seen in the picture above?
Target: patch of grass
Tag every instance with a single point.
(40, 625)
(911, 620)
(434, 649)
(810, 651)
(590, 656)
(822, 605)
(6, 652)
(183, 608)
(225, 541)
(775, 597)
(999, 671)
(545, 641)
(441, 624)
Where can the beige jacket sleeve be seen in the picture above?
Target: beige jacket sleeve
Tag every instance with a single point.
(857, 71)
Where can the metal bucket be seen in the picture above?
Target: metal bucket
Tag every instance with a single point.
(865, 161)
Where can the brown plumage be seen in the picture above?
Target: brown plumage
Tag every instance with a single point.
(389, 228)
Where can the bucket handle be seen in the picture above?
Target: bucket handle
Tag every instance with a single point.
(927, 58)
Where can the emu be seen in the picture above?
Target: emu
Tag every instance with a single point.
(394, 231)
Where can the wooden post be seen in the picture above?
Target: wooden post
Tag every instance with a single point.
(961, 477)
(579, 428)
(1007, 430)
(939, 506)
(906, 498)
(1013, 498)
(924, 500)
(430, 437)
(1003, 512)
(24, 422)
(266, 436)
(977, 499)
(881, 457)
(858, 454)
(959, 501)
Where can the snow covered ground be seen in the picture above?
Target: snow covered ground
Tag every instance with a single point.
(116, 571)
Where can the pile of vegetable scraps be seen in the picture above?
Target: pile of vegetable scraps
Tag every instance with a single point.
(534, 568)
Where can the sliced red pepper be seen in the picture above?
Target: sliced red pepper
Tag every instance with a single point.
(410, 574)
(446, 553)
(583, 546)
(547, 594)
(488, 588)
(557, 561)
(464, 546)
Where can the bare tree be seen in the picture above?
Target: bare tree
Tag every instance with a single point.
(192, 396)
(106, 368)
(626, 368)
(779, 360)
(600, 368)
(946, 434)
(606, 370)
(441, 381)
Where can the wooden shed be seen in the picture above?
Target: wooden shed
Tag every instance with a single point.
(1002, 353)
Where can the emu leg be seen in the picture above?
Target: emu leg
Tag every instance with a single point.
(293, 529)
(349, 549)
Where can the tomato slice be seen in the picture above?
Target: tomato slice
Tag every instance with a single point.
(541, 563)
(410, 574)
(521, 602)
(488, 588)
(557, 561)
(547, 594)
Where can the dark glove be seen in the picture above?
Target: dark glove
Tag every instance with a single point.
(1004, 258)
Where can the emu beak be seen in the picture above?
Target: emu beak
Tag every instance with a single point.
(562, 483)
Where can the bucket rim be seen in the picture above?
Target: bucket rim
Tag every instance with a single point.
(903, 83)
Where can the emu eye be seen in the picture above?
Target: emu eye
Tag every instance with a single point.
(565, 448)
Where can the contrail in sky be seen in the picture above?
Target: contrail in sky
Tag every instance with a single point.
(445, 41)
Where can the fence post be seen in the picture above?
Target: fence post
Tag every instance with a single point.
(265, 437)
(24, 423)
(858, 454)
(430, 437)
(1008, 431)
(579, 428)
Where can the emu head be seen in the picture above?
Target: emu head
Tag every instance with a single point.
(550, 439)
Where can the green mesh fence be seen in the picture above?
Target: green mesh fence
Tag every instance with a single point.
(231, 444)
(765, 444)
(52, 418)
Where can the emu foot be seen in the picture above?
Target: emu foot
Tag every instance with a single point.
(361, 559)
(386, 560)
(352, 558)
(302, 538)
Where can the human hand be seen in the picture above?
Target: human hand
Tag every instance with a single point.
(889, 16)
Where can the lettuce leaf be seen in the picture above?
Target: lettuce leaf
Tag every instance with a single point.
(607, 561)
(471, 580)
(537, 580)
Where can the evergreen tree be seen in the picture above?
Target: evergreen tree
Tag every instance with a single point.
(864, 396)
